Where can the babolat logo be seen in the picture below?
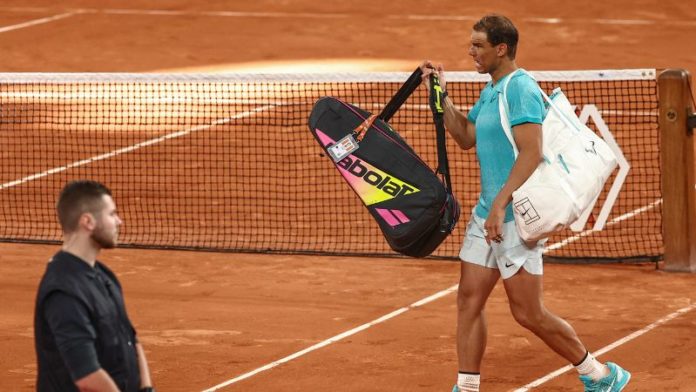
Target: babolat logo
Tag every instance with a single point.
(373, 185)
(370, 183)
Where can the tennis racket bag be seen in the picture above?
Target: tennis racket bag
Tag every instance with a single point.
(414, 208)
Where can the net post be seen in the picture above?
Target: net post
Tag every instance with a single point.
(678, 152)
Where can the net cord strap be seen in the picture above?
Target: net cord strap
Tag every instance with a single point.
(357, 77)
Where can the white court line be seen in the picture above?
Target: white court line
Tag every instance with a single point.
(132, 148)
(614, 221)
(456, 18)
(416, 17)
(233, 14)
(610, 347)
(334, 339)
(35, 22)
(624, 21)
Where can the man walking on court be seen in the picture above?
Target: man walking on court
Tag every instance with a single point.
(492, 248)
(84, 339)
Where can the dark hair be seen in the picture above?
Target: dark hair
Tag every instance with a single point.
(499, 30)
(76, 198)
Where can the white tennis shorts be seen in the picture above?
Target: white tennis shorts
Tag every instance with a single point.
(507, 256)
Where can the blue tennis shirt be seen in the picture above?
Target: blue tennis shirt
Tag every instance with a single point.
(493, 149)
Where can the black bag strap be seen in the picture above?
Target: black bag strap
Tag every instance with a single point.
(402, 95)
(437, 97)
(437, 106)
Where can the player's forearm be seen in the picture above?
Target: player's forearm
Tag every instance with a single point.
(145, 379)
(527, 161)
(457, 125)
(98, 381)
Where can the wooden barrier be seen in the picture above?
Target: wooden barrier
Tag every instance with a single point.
(678, 152)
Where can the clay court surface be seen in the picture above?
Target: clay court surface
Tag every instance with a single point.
(205, 318)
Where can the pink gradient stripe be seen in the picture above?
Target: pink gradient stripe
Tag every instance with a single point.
(400, 216)
(325, 139)
(388, 217)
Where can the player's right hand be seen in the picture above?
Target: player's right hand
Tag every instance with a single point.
(428, 68)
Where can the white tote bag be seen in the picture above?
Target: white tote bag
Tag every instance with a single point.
(576, 165)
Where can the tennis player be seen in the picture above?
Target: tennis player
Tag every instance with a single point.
(492, 248)
(84, 339)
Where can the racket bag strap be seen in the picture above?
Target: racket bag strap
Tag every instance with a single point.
(401, 95)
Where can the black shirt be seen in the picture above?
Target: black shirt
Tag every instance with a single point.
(81, 326)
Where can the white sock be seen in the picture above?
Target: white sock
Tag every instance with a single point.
(592, 367)
(468, 382)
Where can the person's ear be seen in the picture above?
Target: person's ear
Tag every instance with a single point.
(502, 49)
(88, 221)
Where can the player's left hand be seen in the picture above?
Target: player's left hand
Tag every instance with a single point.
(493, 227)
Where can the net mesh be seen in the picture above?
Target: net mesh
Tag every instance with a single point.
(226, 162)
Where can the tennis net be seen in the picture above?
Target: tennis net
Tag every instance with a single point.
(226, 161)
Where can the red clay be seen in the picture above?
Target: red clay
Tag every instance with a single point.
(208, 317)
